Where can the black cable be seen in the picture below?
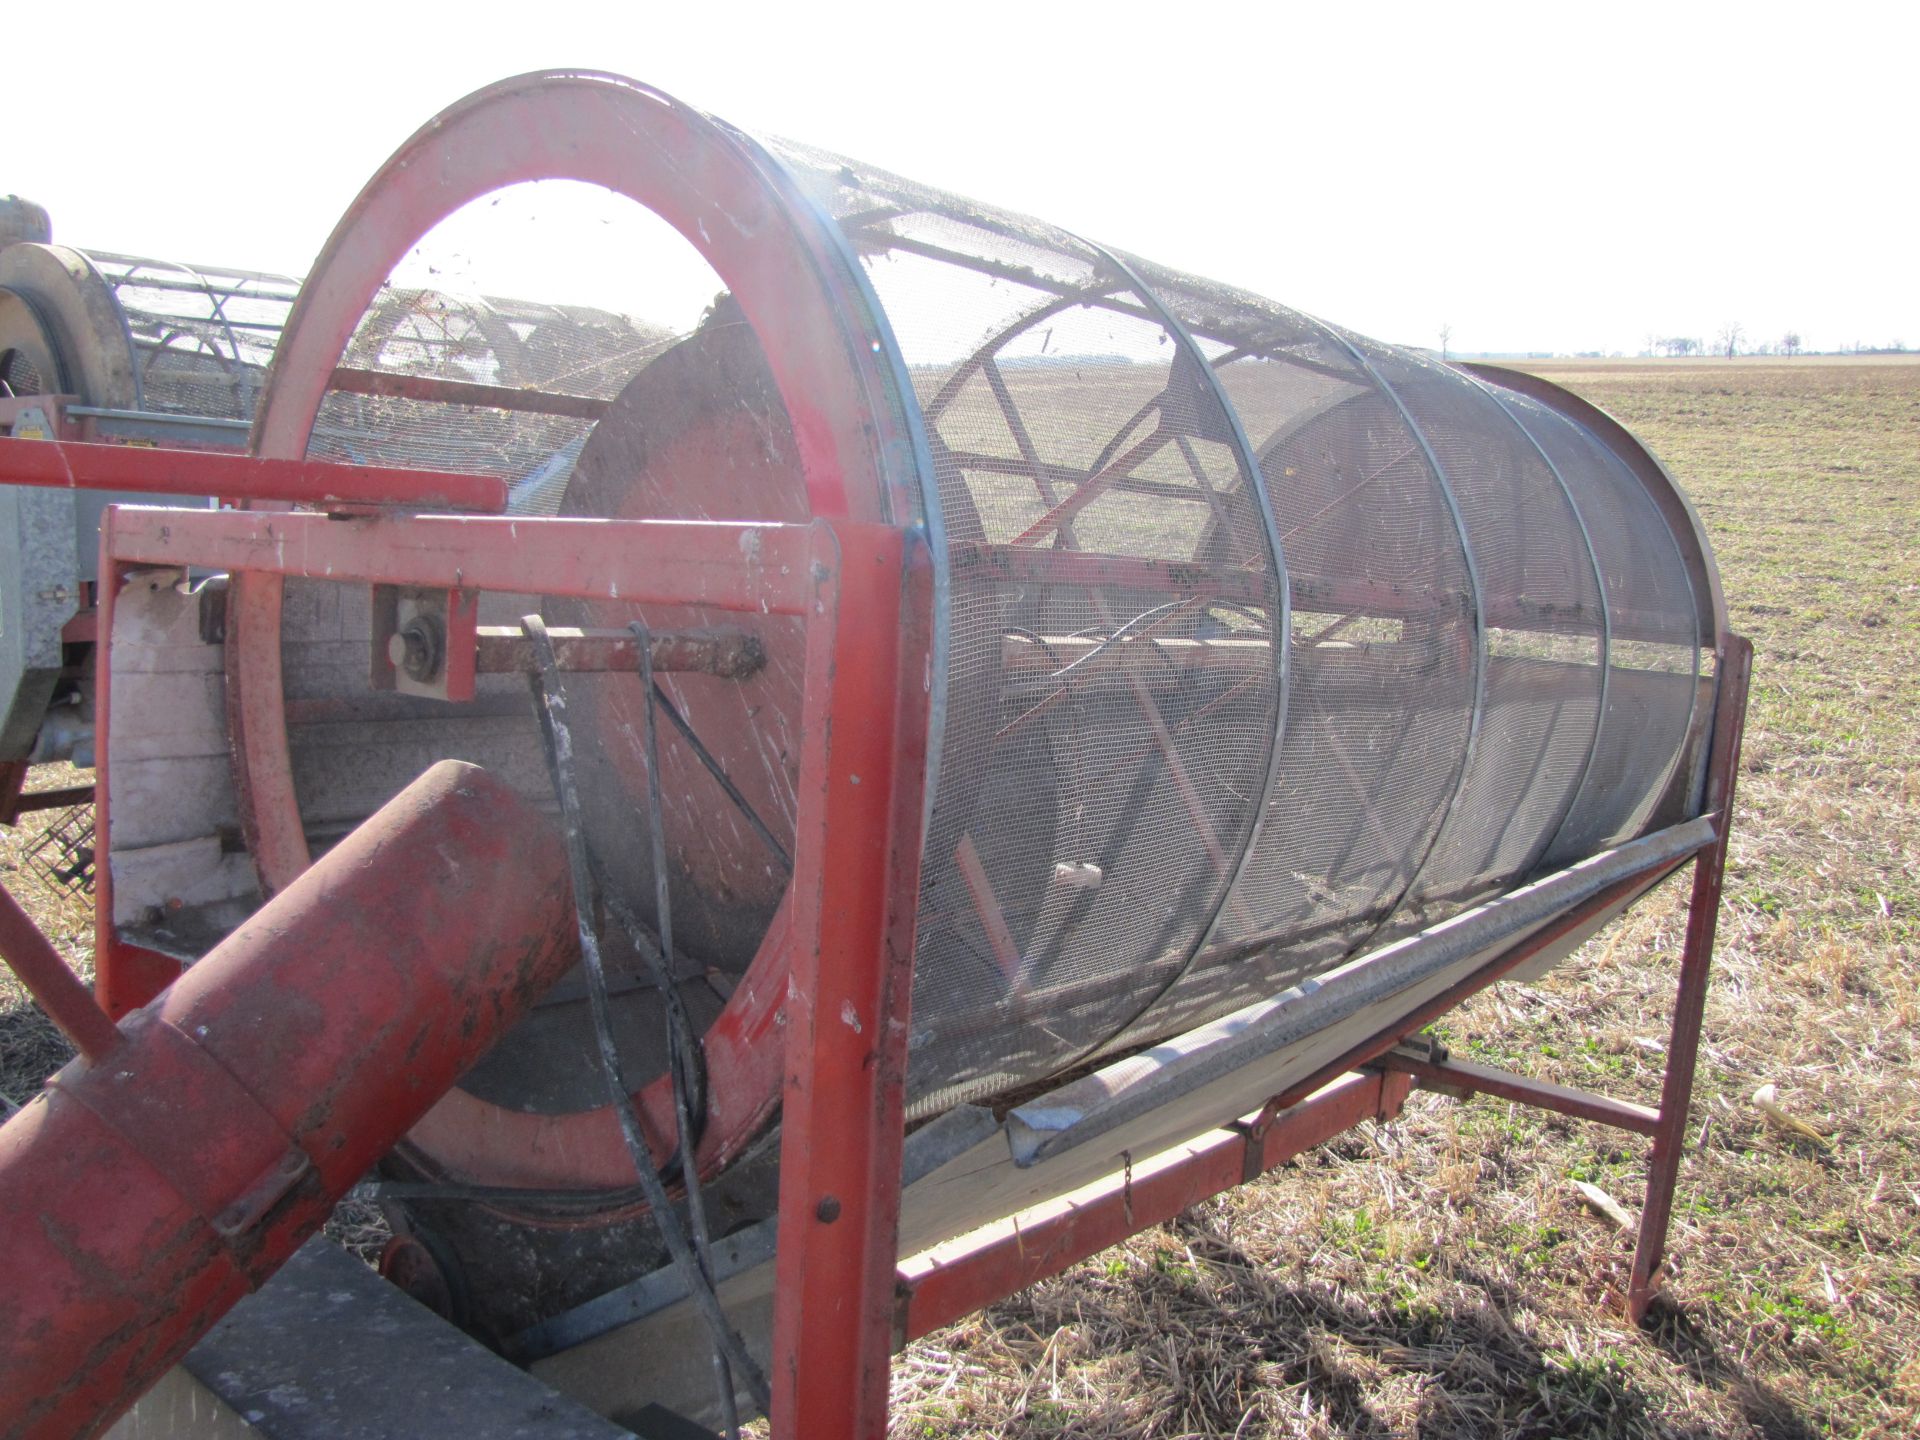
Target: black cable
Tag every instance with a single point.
(655, 695)
(686, 1057)
(556, 1202)
(679, 1035)
(559, 745)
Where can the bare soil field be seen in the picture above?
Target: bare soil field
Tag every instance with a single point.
(1439, 1277)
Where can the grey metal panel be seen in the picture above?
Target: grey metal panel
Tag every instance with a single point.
(170, 785)
(665, 1358)
(327, 1350)
(38, 591)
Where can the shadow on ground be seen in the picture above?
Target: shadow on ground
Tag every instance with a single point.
(1373, 1368)
(31, 1049)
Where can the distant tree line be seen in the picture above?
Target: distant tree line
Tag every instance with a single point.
(1732, 341)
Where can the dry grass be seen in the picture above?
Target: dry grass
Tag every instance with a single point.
(30, 1048)
(1439, 1277)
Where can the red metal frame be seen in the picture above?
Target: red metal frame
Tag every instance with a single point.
(73, 465)
(51, 982)
(942, 1286)
(857, 859)
(866, 592)
(835, 1023)
(785, 265)
(749, 568)
(15, 802)
(819, 1022)
(13, 779)
(1696, 960)
(776, 254)
(846, 932)
(729, 566)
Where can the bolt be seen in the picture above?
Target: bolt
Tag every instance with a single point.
(416, 649)
(828, 1210)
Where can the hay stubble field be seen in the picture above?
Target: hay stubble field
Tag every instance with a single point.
(1439, 1277)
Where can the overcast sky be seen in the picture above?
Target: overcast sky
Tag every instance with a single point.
(1540, 177)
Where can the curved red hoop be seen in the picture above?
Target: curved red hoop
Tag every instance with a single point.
(787, 269)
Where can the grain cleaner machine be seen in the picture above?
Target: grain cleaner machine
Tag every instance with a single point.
(918, 747)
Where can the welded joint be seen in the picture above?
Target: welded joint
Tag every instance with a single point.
(252, 1204)
(1390, 1091)
(174, 1065)
(1253, 1140)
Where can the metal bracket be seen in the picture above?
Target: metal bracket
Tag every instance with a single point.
(1425, 1046)
(1253, 1163)
(33, 423)
(138, 1107)
(262, 1195)
(425, 641)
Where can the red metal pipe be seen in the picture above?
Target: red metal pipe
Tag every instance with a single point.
(13, 776)
(73, 465)
(145, 1196)
(435, 390)
(1463, 1078)
(60, 799)
(47, 978)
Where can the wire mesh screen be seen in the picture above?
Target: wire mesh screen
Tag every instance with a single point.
(1380, 685)
(1136, 827)
(1540, 653)
(201, 337)
(1114, 676)
(1652, 645)
(1264, 643)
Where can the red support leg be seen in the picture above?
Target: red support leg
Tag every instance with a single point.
(1676, 1090)
(857, 864)
(13, 778)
